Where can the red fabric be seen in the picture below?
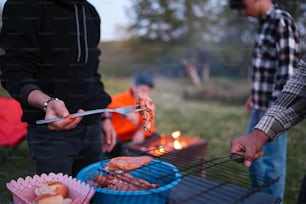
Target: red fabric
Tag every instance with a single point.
(123, 127)
(12, 130)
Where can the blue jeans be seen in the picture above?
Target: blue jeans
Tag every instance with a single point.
(272, 165)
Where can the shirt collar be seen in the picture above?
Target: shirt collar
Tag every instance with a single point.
(267, 15)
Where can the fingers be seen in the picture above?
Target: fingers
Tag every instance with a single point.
(107, 147)
(248, 104)
(110, 137)
(68, 123)
(241, 144)
(247, 163)
(111, 142)
(237, 145)
(251, 155)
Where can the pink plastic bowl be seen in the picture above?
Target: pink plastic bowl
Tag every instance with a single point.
(23, 189)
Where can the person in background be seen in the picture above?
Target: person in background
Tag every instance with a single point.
(129, 128)
(288, 110)
(50, 66)
(275, 54)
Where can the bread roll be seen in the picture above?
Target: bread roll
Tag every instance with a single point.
(51, 192)
(52, 188)
(50, 199)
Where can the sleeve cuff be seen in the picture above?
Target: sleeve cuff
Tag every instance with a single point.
(270, 126)
(25, 91)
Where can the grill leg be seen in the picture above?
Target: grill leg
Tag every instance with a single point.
(302, 193)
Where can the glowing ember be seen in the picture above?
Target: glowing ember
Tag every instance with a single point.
(177, 145)
(161, 149)
(176, 134)
(168, 143)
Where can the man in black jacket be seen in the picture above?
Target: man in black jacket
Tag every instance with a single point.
(50, 66)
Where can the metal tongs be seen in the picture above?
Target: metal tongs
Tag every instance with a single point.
(124, 110)
(237, 156)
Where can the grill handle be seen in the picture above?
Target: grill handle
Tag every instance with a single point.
(237, 156)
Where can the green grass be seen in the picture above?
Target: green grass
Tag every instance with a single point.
(215, 121)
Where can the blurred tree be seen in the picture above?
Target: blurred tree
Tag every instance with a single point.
(293, 6)
(179, 27)
(187, 22)
(168, 33)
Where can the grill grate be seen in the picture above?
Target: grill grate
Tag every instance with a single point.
(220, 180)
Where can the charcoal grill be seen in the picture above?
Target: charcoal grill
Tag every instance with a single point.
(220, 180)
(224, 182)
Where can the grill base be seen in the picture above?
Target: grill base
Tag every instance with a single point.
(204, 191)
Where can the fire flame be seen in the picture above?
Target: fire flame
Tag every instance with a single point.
(168, 143)
(161, 149)
(176, 134)
(176, 143)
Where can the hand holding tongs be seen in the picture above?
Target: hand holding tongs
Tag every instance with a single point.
(124, 110)
(237, 156)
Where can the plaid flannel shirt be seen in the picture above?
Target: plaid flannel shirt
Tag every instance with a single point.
(276, 53)
(290, 106)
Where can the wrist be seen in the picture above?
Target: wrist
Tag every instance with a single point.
(106, 116)
(46, 103)
(262, 136)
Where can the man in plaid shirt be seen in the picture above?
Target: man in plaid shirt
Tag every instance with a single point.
(276, 52)
(288, 110)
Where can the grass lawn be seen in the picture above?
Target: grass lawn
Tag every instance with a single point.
(215, 121)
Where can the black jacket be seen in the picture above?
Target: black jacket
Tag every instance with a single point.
(52, 45)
